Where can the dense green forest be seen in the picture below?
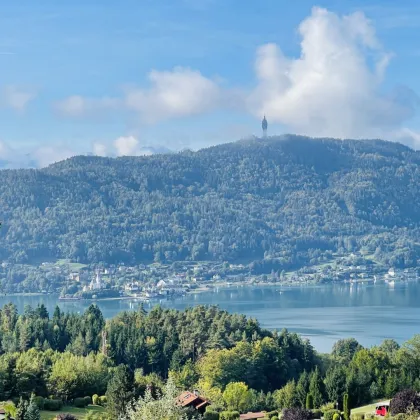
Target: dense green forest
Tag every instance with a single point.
(278, 203)
(73, 358)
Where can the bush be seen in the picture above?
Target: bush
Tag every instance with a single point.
(88, 400)
(80, 402)
(274, 418)
(336, 416)
(211, 415)
(102, 400)
(229, 415)
(271, 414)
(316, 413)
(358, 416)
(53, 405)
(404, 401)
(309, 401)
(296, 414)
(39, 401)
(329, 415)
(95, 399)
(65, 416)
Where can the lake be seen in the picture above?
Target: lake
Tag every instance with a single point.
(324, 314)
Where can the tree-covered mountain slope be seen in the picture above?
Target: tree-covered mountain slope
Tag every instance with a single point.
(283, 201)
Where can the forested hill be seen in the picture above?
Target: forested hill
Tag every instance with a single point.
(282, 202)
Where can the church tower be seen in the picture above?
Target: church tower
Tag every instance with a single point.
(264, 125)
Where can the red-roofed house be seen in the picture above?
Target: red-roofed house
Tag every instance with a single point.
(193, 399)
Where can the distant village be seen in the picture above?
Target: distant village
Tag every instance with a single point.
(74, 281)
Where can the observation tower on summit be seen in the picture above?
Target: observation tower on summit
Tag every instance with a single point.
(264, 126)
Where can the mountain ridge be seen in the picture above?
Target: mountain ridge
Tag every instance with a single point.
(276, 202)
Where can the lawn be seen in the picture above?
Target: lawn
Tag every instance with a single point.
(363, 410)
(72, 266)
(80, 413)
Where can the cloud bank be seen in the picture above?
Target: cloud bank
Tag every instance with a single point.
(333, 88)
(16, 98)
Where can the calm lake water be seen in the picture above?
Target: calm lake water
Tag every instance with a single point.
(324, 314)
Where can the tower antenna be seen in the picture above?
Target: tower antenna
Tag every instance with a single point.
(264, 125)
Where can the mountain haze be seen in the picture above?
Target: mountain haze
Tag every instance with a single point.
(282, 202)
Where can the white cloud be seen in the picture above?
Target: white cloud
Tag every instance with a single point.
(181, 92)
(334, 87)
(16, 97)
(178, 93)
(126, 146)
(77, 106)
(46, 155)
(100, 149)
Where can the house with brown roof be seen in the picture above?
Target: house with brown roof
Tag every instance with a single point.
(193, 399)
(252, 416)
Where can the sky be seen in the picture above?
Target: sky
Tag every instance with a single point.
(137, 76)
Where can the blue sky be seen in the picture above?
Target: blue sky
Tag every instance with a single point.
(114, 77)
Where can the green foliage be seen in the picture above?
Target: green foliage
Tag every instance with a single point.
(32, 412)
(211, 415)
(229, 415)
(316, 413)
(39, 401)
(80, 403)
(336, 416)
(162, 407)
(103, 400)
(21, 409)
(346, 407)
(237, 396)
(287, 396)
(119, 391)
(329, 415)
(316, 388)
(309, 402)
(88, 400)
(315, 197)
(95, 399)
(53, 405)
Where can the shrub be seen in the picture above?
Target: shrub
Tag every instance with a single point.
(88, 400)
(358, 416)
(229, 415)
(53, 405)
(336, 416)
(404, 401)
(80, 402)
(95, 399)
(39, 401)
(274, 418)
(329, 415)
(296, 414)
(316, 413)
(309, 402)
(211, 415)
(102, 400)
(271, 414)
(65, 416)
(346, 407)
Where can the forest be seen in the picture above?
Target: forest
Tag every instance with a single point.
(133, 361)
(275, 204)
